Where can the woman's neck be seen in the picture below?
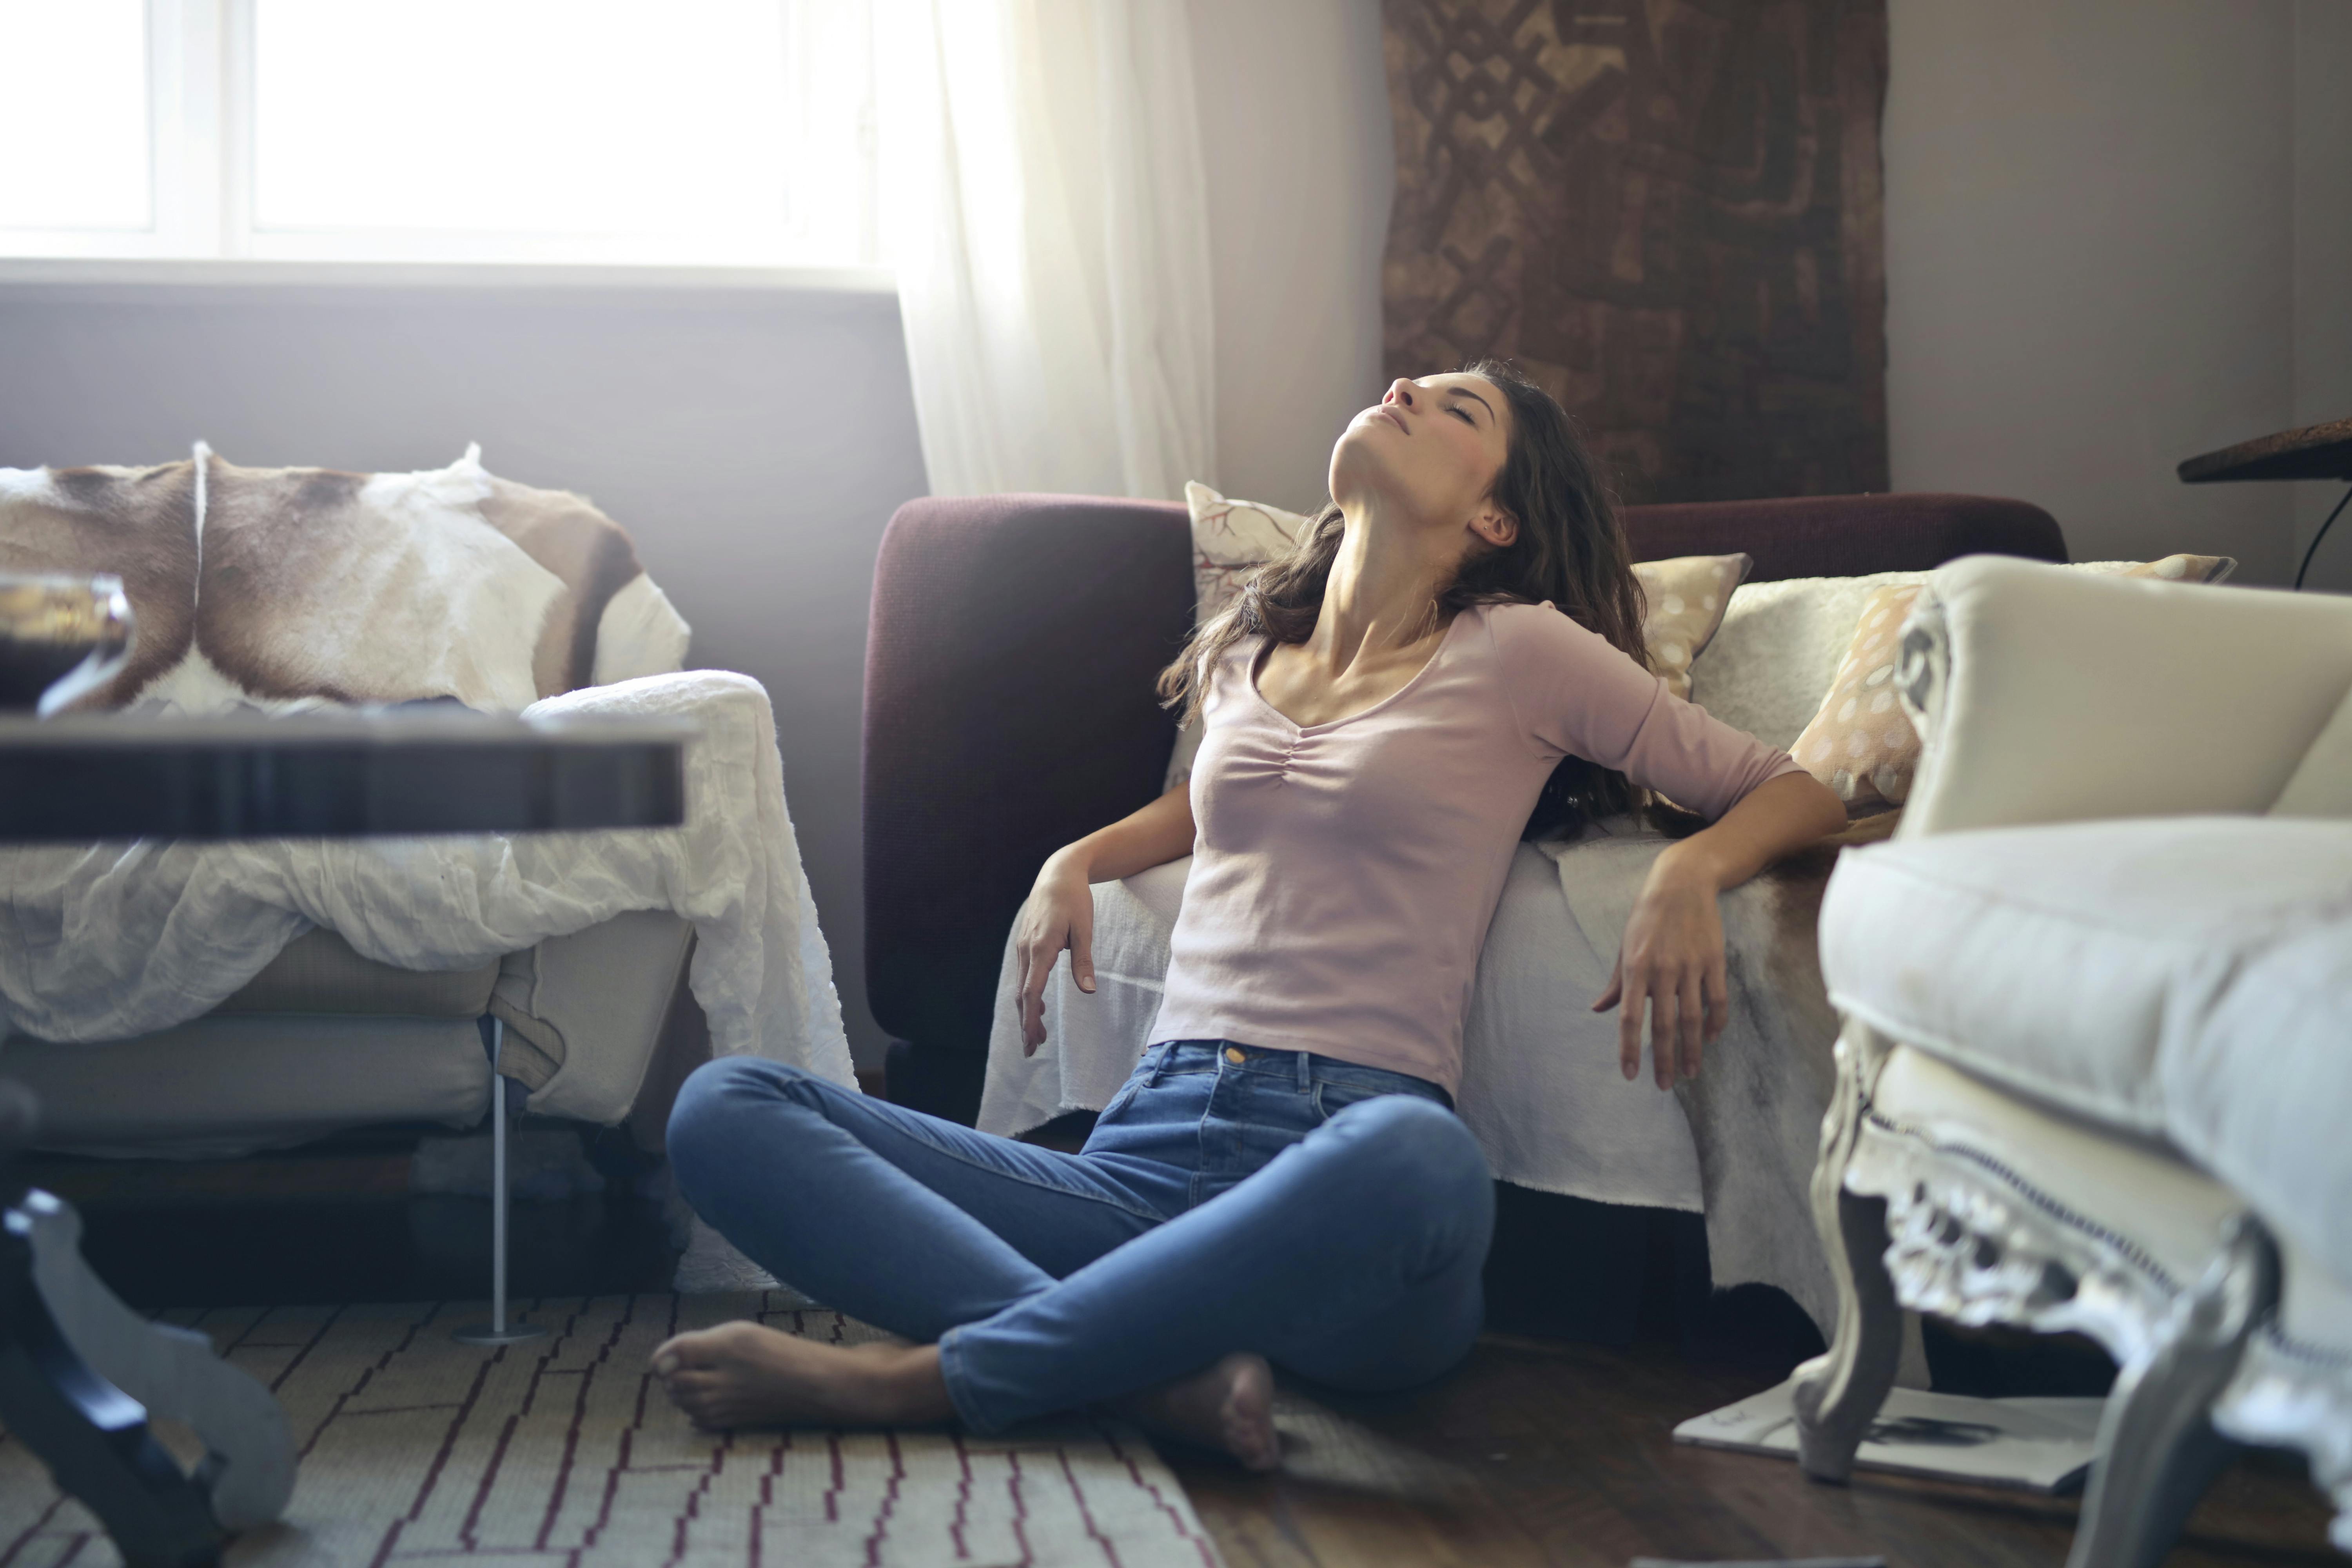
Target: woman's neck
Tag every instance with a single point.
(1378, 599)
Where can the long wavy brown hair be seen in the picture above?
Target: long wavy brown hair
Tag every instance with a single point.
(1570, 549)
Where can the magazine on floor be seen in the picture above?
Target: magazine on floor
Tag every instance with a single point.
(2038, 1445)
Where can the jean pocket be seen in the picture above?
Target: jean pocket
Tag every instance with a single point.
(1127, 1092)
(1333, 1096)
(1330, 1099)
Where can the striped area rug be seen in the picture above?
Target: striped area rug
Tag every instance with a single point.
(564, 1452)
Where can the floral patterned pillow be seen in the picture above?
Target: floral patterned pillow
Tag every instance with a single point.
(1232, 539)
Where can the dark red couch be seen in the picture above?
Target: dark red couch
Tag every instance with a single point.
(1009, 670)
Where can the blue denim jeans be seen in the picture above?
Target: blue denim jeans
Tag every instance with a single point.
(1332, 1217)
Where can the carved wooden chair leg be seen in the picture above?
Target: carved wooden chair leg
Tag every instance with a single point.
(1837, 1394)
(2158, 1450)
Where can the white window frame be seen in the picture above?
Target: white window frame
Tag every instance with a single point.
(200, 101)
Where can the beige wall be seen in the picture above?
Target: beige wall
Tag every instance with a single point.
(2103, 256)
(1295, 133)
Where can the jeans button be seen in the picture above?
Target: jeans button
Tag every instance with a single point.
(1234, 1055)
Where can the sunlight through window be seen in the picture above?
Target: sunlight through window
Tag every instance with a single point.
(73, 121)
(593, 118)
(682, 132)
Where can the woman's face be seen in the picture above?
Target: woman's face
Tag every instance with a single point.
(1434, 444)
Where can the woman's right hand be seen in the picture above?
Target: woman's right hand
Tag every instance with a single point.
(1059, 913)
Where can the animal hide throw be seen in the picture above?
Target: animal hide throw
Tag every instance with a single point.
(274, 585)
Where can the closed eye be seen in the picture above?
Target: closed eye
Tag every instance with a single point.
(1455, 409)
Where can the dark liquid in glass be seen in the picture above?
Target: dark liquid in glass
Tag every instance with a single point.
(29, 668)
(62, 639)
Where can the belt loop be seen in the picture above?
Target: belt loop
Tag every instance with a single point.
(1306, 1072)
(1152, 1078)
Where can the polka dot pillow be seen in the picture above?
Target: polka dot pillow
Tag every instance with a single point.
(1861, 743)
(2171, 569)
(1684, 599)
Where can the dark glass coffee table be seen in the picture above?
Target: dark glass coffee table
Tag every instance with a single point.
(79, 1371)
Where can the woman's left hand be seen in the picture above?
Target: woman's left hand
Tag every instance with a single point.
(1672, 958)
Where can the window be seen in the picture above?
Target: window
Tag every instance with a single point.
(656, 131)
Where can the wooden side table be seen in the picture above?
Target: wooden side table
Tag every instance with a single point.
(2314, 452)
(80, 1371)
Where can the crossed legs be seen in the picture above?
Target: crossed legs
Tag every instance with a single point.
(1051, 1280)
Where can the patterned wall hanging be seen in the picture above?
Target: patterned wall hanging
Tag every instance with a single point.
(1667, 212)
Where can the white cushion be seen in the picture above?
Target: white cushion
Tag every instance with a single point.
(2258, 1092)
(2187, 978)
(594, 1001)
(2068, 696)
(2058, 958)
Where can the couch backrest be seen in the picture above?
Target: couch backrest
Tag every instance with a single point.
(1845, 536)
(1009, 668)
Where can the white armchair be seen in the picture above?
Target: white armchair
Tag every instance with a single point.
(2096, 998)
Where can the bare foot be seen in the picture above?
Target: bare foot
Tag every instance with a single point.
(741, 1374)
(1228, 1406)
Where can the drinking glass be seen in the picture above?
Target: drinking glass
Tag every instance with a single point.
(60, 638)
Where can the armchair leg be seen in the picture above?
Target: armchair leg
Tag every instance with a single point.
(497, 1330)
(2158, 1450)
(1838, 1395)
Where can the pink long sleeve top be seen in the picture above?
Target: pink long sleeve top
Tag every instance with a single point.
(1344, 874)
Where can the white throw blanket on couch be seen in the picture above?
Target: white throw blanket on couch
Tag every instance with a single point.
(113, 940)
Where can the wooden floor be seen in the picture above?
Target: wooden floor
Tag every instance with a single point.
(1536, 1452)
(1533, 1451)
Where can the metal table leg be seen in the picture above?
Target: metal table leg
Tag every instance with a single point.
(497, 1330)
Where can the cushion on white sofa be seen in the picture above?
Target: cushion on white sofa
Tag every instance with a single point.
(2259, 1093)
(2059, 959)
(2187, 978)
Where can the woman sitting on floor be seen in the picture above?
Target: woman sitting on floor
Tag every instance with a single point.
(1450, 661)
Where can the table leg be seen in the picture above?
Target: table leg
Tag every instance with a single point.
(91, 1435)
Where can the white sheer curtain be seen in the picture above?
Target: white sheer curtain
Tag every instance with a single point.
(1042, 200)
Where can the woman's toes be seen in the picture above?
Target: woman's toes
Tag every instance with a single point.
(1227, 1405)
(742, 1373)
(1248, 1412)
